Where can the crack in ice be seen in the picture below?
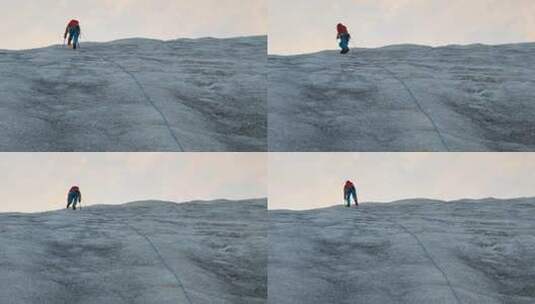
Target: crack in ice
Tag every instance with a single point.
(148, 98)
(156, 251)
(415, 100)
(426, 252)
(162, 260)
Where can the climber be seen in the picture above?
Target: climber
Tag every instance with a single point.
(344, 37)
(74, 196)
(74, 32)
(349, 190)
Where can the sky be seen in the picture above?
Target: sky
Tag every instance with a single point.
(31, 24)
(40, 181)
(304, 26)
(300, 181)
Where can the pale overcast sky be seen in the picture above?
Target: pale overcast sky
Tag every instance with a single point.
(301, 26)
(40, 181)
(313, 180)
(37, 23)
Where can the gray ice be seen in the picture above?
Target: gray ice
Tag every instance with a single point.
(413, 251)
(404, 98)
(136, 95)
(141, 252)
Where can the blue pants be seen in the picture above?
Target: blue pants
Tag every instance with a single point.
(344, 42)
(348, 197)
(73, 36)
(72, 198)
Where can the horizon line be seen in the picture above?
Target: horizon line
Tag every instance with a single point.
(411, 199)
(401, 44)
(139, 38)
(197, 201)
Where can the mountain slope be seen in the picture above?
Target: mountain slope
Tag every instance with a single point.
(145, 252)
(136, 95)
(404, 98)
(468, 251)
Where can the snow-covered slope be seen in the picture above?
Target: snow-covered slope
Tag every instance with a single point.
(415, 251)
(145, 252)
(136, 95)
(404, 98)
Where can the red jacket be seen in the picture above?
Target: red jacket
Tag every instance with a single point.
(73, 23)
(342, 29)
(75, 189)
(348, 186)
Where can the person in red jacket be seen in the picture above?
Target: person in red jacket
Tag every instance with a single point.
(344, 37)
(74, 32)
(349, 190)
(74, 196)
